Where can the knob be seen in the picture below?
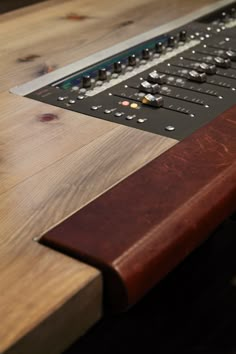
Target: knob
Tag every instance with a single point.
(118, 67)
(132, 60)
(183, 36)
(154, 101)
(209, 69)
(159, 47)
(233, 12)
(145, 86)
(222, 63)
(231, 55)
(86, 81)
(197, 77)
(102, 74)
(146, 53)
(224, 17)
(171, 41)
(157, 78)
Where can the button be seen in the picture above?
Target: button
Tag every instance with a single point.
(119, 114)
(197, 77)
(145, 86)
(102, 74)
(159, 47)
(132, 60)
(146, 54)
(118, 67)
(154, 101)
(86, 81)
(107, 111)
(209, 69)
(222, 63)
(157, 78)
(169, 128)
(71, 101)
(142, 120)
(99, 83)
(183, 36)
(134, 105)
(75, 88)
(114, 76)
(60, 98)
(130, 117)
(94, 108)
(125, 103)
(80, 97)
(231, 55)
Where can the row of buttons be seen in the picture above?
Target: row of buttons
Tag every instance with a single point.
(70, 101)
(118, 114)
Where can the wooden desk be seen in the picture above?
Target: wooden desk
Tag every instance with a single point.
(49, 166)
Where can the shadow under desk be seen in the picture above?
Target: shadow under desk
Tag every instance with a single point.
(192, 311)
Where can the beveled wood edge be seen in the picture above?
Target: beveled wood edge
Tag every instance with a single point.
(129, 271)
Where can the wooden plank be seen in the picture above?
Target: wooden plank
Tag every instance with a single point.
(49, 169)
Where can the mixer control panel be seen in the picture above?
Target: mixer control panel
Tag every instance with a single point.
(170, 84)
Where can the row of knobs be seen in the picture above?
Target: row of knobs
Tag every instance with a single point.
(133, 59)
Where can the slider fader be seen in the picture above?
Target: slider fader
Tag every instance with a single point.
(169, 84)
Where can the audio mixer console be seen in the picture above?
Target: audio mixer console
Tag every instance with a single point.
(169, 84)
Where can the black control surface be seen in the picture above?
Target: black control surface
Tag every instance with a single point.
(169, 85)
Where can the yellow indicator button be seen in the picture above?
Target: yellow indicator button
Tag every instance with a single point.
(134, 105)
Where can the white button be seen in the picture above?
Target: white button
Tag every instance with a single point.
(142, 120)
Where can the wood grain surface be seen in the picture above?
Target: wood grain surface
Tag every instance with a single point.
(53, 162)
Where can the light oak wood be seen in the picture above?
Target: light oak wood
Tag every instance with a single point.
(48, 170)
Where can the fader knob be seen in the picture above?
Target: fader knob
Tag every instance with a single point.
(209, 69)
(145, 86)
(197, 77)
(154, 101)
(102, 74)
(231, 55)
(222, 63)
(157, 78)
(86, 81)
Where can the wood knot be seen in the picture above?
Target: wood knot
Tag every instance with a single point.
(76, 17)
(28, 58)
(47, 117)
(125, 23)
(47, 68)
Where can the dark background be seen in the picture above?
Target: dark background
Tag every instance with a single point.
(8, 5)
(192, 311)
